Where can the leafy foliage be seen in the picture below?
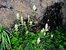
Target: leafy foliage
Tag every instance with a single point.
(23, 39)
(5, 43)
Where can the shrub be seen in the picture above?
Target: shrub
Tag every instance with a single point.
(22, 38)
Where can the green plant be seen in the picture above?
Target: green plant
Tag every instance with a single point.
(23, 39)
(4, 39)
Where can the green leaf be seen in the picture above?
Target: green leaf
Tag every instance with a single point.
(28, 47)
(37, 49)
(61, 47)
(33, 41)
(15, 41)
(41, 35)
(1, 28)
(64, 43)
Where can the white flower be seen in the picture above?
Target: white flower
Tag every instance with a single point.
(48, 20)
(51, 35)
(46, 27)
(43, 49)
(16, 27)
(42, 30)
(27, 32)
(44, 33)
(22, 20)
(38, 40)
(34, 8)
(28, 18)
(31, 22)
(24, 23)
(17, 16)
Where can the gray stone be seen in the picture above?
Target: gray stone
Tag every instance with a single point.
(9, 9)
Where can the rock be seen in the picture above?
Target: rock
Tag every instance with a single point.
(7, 17)
(9, 9)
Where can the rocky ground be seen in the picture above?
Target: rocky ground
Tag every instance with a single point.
(9, 9)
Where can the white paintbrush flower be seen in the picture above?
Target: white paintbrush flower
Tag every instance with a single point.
(42, 30)
(44, 33)
(17, 16)
(34, 7)
(51, 35)
(46, 27)
(16, 27)
(27, 32)
(38, 40)
(31, 23)
(22, 20)
(28, 18)
(43, 49)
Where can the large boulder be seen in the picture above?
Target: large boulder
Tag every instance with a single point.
(9, 9)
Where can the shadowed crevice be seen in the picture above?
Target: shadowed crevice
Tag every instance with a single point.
(53, 16)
